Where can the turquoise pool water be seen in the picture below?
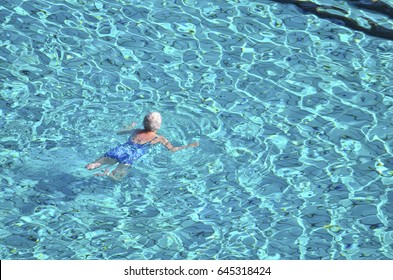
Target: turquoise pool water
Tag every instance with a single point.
(293, 112)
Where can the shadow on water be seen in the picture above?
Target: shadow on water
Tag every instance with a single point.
(326, 12)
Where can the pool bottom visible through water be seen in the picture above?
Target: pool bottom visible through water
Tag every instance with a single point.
(292, 113)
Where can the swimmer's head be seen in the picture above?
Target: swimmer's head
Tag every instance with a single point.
(152, 121)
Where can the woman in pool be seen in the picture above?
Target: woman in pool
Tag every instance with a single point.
(137, 145)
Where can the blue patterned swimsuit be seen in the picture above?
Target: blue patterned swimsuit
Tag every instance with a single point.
(129, 152)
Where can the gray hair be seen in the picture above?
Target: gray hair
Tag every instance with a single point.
(152, 121)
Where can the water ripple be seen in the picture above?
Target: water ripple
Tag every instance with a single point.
(292, 111)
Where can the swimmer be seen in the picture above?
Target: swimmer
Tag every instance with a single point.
(137, 145)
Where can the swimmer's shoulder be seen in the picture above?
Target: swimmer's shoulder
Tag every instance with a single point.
(159, 139)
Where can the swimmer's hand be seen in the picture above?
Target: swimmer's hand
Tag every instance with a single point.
(170, 147)
(195, 144)
(127, 129)
(131, 126)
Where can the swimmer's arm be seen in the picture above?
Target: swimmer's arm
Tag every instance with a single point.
(127, 130)
(170, 147)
